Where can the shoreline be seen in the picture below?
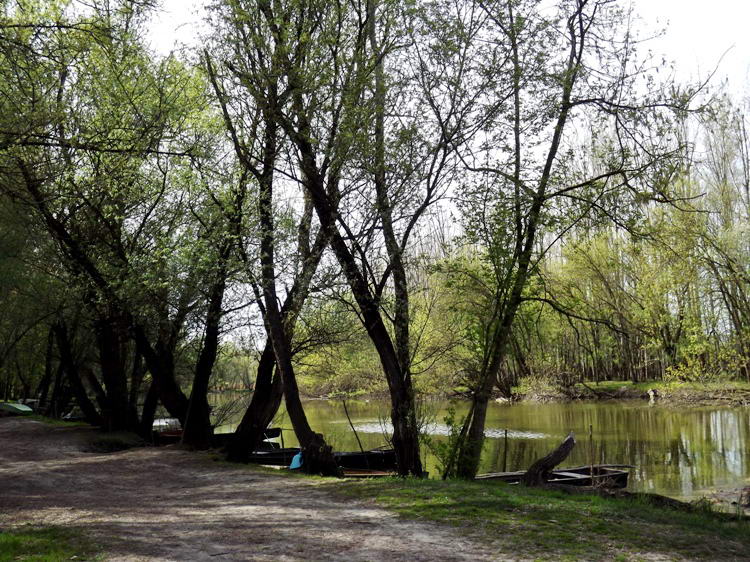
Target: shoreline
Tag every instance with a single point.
(209, 510)
(732, 394)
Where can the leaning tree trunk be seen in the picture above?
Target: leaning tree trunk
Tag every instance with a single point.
(67, 363)
(470, 448)
(267, 395)
(403, 411)
(150, 403)
(317, 456)
(198, 431)
(42, 390)
(538, 472)
(161, 364)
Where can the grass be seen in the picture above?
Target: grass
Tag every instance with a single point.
(550, 525)
(44, 544)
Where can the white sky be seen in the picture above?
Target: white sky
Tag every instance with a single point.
(698, 33)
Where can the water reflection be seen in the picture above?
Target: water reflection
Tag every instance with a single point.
(680, 452)
(434, 428)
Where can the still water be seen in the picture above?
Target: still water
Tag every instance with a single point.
(684, 452)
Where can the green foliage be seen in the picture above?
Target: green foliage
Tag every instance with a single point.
(446, 450)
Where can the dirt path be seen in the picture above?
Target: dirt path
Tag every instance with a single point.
(168, 504)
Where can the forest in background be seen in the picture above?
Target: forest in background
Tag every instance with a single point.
(352, 197)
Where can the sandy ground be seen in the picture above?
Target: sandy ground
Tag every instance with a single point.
(169, 504)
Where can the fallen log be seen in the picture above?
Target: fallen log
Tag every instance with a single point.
(538, 472)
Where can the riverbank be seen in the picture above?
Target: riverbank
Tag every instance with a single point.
(678, 393)
(170, 504)
(732, 393)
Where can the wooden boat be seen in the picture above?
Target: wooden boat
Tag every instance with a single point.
(376, 459)
(604, 475)
(14, 409)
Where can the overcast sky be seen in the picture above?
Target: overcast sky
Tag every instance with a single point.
(698, 34)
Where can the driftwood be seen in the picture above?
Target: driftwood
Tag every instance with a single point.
(598, 393)
(538, 472)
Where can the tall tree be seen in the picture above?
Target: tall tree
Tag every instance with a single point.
(579, 64)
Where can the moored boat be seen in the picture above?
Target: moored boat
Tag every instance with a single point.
(376, 459)
(168, 433)
(14, 409)
(605, 476)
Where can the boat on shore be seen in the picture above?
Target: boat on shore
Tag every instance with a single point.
(168, 431)
(376, 459)
(14, 409)
(602, 475)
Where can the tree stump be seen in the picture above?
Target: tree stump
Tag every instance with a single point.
(538, 472)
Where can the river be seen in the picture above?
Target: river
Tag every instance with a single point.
(684, 452)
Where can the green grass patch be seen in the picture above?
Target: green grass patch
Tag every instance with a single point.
(534, 523)
(47, 544)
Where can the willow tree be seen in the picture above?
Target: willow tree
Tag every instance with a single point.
(558, 73)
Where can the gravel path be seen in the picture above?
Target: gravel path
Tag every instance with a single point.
(169, 504)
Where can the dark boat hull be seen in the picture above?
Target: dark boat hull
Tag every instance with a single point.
(223, 439)
(378, 459)
(603, 476)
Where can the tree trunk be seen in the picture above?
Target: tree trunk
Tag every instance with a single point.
(403, 412)
(267, 395)
(149, 411)
(160, 363)
(54, 408)
(111, 338)
(138, 371)
(197, 428)
(42, 390)
(74, 379)
(317, 455)
(538, 472)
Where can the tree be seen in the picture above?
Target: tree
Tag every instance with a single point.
(112, 187)
(529, 187)
(248, 93)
